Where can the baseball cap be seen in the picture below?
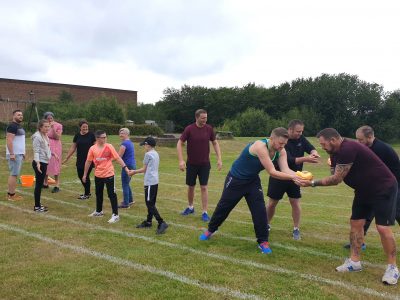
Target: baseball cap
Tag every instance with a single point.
(149, 141)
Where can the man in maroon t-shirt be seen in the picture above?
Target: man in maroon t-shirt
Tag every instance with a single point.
(198, 136)
(375, 190)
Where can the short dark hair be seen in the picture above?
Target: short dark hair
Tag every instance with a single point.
(199, 112)
(367, 131)
(280, 132)
(98, 133)
(329, 133)
(293, 123)
(81, 122)
(15, 111)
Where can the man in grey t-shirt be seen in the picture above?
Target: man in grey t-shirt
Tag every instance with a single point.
(151, 162)
(15, 152)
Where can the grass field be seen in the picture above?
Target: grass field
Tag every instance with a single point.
(65, 254)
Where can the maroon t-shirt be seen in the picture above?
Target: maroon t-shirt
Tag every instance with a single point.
(198, 143)
(368, 174)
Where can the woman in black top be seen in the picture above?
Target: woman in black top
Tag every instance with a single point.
(82, 141)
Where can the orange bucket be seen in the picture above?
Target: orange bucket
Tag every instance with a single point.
(27, 180)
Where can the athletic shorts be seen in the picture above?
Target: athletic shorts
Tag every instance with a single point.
(194, 171)
(15, 165)
(382, 205)
(277, 188)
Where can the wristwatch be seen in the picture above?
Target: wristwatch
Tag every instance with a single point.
(312, 183)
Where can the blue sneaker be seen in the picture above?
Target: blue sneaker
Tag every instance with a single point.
(205, 236)
(205, 217)
(265, 248)
(187, 211)
(296, 234)
(363, 246)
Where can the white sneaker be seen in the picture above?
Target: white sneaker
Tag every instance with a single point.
(391, 275)
(96, 214)
(350, 266)
(114, 219)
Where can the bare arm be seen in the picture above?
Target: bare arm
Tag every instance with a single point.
(141, 170)
(70, 152)
(86, 169)
(261, 151)
(10, 139)
(218, 153)
(179, 149)
(338, 176)
(121, 150)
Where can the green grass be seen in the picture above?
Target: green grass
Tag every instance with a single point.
(65, 254)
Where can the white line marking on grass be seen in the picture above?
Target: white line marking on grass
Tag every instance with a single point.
(231, 236)
(133, 265)
(242, 262)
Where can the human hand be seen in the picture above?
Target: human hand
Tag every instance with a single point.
(219, 165)
(182, 166)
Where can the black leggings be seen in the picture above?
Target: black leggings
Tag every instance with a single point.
(110, 185)
(86, 185)
(39, 180)
(150, 196)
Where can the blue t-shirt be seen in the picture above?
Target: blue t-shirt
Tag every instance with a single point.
(129, 154)
(247, 165)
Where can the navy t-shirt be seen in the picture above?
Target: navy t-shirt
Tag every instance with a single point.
(387, 154)
(368, 175)
(83, 143)
(296, 148)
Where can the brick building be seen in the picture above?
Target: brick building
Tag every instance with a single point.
(17, 93)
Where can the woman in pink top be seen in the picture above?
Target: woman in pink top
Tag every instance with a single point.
(54, 167)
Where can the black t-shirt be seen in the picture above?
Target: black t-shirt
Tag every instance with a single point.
(387, 154)
(83, 143)
(296, 148)
(368, 174)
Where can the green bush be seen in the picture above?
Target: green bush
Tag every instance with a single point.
(253, 122)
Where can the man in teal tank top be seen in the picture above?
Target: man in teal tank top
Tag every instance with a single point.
(243, 181)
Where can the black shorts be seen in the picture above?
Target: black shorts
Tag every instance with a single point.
(277, 188)
(382, 205)
(194, 171)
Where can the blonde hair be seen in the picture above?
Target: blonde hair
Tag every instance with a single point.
(124, 130)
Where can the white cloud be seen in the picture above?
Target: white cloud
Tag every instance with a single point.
(151, 45)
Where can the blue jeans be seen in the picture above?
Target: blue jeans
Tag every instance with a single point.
(126, 189)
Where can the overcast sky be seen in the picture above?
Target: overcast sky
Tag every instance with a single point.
(150, 45)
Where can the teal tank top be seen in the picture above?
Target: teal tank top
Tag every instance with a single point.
(247, 165)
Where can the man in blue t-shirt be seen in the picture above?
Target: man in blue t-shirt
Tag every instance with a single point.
(375, 191)
(15, 152)
(127, 153)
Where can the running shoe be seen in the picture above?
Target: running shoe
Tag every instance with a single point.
(187, 211)
(264, 247)
(350, 266)
(206, 235)
(391, 275)
(114, 219)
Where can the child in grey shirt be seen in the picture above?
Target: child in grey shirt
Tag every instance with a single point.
(150, 169)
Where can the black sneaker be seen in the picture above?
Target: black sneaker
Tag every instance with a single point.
(144, 224)
(55, 189)
(40, 209)
(161, 228)
(83, 197)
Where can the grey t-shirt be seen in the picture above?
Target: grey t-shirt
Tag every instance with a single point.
(151, 160)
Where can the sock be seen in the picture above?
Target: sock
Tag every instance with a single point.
(10, 194)
(294, 228)
(204, 211)
(191, 206)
